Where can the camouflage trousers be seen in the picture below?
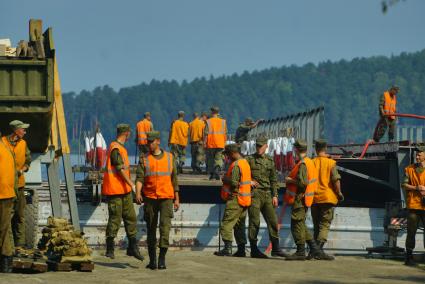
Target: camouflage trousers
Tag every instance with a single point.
(234, 220)
(299, 229)
(214, 159)
(121, 208)
(6, 238)
(179, 153)
(198, 155)
(381, 128)
(322, 214)
(413, 219)
(162, 208)
(143, 149)
(262, 204)
(18, 219)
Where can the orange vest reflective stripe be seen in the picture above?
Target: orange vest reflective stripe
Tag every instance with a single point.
(413, 197)
(390, 104)
(217, 129)
(7, 172)
(325, 192)
(157, 182)
(196, 129)
(19, 150)
(244, 194)
(179, 132)
(312, 176)
(144, 126)
(113, 183)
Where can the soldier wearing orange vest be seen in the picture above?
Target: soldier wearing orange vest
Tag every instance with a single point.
(7, 194)
(18, 146)
(196, 131)
(215, 135)
(157, 187)
(414, 185)
(387, 107)
(117, 187)
(236, 192)
(178, 139)
(301, 184)
(143, 127)
(327, 196)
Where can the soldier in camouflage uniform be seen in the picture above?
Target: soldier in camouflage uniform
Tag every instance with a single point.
(264, 199)
(243, 129)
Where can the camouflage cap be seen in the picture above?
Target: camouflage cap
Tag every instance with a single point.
(232, 148)
(123, 127)
(262, 140)
(180, 113)
(300, 144)
(249, 120)
(152, 135)
(147, 114)
(215, 109)
(420, 148)
(17, 124)
(395, 88)
(320, 143)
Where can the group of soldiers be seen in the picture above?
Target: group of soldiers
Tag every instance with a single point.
(15, 159)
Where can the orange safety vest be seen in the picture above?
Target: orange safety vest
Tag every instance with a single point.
(390, 104)
(157, 182)
(179, 132)
(143, 127)
(312, 176)
(19, 150)
(196, 129)
(244, 194)
(325, 192)
(413, 197)
(113, 183)
(7, 172)
(217, 129)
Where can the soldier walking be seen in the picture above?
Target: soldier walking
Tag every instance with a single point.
(179, 131)
(301, 184)
(264, 199)
(214, 140)
(117, 187)
(327, 196)
(18, 146)
(157, 187)
(236, 192)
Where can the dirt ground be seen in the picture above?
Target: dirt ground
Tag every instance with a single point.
(203, 267)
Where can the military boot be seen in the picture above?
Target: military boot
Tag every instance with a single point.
(276, 250)
(152, 258)
(6, 264)
(298, 255)
(241, 251)
(322, 254)
(161, 258)
(226, 251)
(133, 250)
(217, 171)
(110, 248)
(314, 251)
(409, 258)
(255, 252)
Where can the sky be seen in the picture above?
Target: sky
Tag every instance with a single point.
(127, 42)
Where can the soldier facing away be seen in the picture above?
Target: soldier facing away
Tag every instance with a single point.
(177, 141)
(143, 126)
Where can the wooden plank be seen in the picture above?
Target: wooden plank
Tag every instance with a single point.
(60, 114)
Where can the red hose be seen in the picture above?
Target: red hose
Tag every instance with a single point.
(366, 146)
(407, 115)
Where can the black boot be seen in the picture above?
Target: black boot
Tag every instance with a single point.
(241, 251)
(298, 255)
(110, 248)
(161, 258)
(314, 252)
(133, 250)
(152, 258)
(409, 258)
(276, 250)
(217, 171)
(6, 264)
(322, 254)
(255, 252)
(226, 251)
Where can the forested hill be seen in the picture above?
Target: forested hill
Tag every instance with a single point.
(349, 90)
